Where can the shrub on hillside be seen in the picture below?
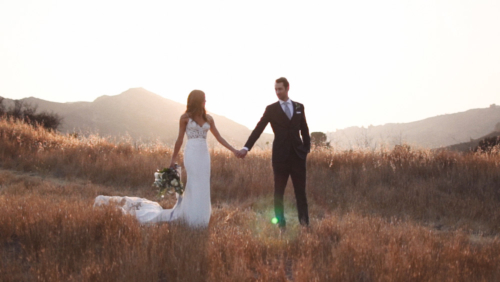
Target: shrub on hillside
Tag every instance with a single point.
(27, 113)
(488, 144)
(2, 107)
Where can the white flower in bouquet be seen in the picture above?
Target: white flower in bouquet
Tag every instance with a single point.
(158, 175)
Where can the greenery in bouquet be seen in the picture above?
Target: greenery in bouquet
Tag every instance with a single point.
(168, 180)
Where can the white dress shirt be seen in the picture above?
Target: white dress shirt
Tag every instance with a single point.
(290, 106)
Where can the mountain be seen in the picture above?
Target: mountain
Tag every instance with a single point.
(137, 113)
(434, 132)
(146, 116)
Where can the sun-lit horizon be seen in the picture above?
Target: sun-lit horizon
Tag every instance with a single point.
(350, 63)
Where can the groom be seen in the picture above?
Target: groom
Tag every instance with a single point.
(288, 121)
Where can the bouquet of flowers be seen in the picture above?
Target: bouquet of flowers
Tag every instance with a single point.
(168, 180)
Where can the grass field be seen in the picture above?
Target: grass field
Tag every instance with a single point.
(389, 215)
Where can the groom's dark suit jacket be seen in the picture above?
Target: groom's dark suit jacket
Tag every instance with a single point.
(286, 132)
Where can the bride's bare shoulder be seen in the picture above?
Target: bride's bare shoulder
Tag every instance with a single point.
(184, 117)
(210, 119)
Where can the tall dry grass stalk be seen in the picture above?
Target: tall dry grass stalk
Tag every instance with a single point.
(400, 215)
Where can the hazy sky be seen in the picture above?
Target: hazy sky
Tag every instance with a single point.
(352, 63)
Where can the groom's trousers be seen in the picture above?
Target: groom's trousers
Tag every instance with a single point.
(294, 167)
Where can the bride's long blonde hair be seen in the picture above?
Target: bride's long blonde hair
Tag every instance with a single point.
(195, 106)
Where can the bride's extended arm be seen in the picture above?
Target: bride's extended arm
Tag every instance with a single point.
(182, 130)
(219, 138)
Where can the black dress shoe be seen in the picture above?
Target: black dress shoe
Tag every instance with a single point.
(304, 222)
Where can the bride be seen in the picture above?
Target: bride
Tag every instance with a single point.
(194, 206)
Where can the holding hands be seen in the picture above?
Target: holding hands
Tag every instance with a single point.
(241, 153)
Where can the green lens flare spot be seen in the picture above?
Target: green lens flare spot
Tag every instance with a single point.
(274, 220)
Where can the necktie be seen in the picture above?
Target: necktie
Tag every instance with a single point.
(287, 110)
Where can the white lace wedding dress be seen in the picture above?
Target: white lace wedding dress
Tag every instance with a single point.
(194, 205)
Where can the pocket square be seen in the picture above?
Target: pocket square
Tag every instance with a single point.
(299, 112)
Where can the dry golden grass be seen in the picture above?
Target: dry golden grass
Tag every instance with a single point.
(398, 215)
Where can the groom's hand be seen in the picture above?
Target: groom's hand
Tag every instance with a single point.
(242, 153)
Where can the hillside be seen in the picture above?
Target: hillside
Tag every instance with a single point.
(434, 132)
(138, 113)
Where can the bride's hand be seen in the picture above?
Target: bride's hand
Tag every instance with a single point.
(236, 153)
(172, 164)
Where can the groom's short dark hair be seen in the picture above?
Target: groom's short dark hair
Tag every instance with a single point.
(284, 81)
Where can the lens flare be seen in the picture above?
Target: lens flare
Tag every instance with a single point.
(274, 220)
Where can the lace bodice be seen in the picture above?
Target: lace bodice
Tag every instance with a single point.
(195, 131)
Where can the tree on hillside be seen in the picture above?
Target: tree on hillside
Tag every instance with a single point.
(318, 139)
(27, 113)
